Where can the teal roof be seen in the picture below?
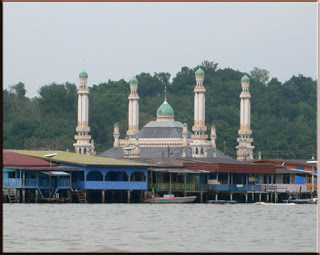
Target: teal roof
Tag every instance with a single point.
(245, 78)
(83, 75)
(199, 72)
(134, 81)
(165, 109)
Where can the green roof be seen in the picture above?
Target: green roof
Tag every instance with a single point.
(79, 159)
(199, 72)
(134, 81)
(165, 109)
(83, 75)
(245, 78)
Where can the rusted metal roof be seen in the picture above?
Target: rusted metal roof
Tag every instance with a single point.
(11, 158)
(232, 168)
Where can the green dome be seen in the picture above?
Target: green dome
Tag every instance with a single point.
(134, 81)
(199, 72)
(245, 78)
(83, 75)
(165, 109)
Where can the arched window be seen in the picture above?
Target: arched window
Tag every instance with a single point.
(201, 151)
(84, 151)
(114, 176)
(94, 176)
(197, 152)
(138, 177)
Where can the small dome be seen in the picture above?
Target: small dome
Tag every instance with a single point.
(83, 75)
(165, 109)
(185, 124)
(245, 78)
(116, 125)
(134, 81)
(199, 72)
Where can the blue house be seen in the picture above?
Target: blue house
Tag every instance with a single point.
(101, 179)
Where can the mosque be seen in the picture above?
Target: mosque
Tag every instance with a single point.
(165, 137)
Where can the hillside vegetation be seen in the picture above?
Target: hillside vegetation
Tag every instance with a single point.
(283, 115)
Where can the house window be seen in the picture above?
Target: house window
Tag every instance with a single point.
(286, 178)
(12, 174)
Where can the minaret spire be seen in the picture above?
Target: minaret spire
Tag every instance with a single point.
(83, 145)
(245, 149)
(165, 93)
(199, 128)
(133, 108)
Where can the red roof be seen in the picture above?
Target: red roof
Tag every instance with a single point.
(232, 168)
(15, 159)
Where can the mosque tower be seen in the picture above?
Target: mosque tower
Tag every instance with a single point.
(133, 111)
(245, 149)
(199, 128)
(83, 145)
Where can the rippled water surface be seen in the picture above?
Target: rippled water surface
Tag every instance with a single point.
(156, 227)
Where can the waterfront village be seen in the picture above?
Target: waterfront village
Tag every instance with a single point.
(163, 157)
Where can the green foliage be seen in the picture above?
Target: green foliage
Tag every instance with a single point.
(283, 115)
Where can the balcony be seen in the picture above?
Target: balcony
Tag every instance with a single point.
(174, 186)
(114, 185)
(235, 187)
(285, 187)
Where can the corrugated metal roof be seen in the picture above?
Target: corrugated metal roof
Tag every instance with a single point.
(56, 173)
(11, 158)
(79, 159)
(164, 152)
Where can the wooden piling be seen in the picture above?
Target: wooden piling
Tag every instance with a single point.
(246, 194)
(23, 196)
(102, 196)
(129, 196)
(36, 196)
(260, 197)
(216, 196)
(231, 196)
(201, 196)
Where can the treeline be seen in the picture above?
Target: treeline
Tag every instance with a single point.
(283, 115)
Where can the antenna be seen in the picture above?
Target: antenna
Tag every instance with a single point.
(83, 63)
(165, 93)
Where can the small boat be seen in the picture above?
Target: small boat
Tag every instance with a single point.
(302, 201)
(171, 199)
(222, 201)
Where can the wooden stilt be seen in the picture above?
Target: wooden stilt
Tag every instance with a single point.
(246, 197)
(230, 196)
(23, 196)
(201, 196)
(102, 196)
(259, 197)
(129, 196)
(216, 196)
(36, 195)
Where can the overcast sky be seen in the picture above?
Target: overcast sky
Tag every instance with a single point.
(46, 42)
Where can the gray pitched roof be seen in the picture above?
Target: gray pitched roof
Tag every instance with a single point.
(162, 129)
(160, 152)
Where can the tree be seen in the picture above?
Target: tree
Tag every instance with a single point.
(260, 75)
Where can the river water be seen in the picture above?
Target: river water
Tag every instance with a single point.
(159, 228)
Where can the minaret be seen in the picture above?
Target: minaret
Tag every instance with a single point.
(245, 149)
(133, 108)
(83, 145)
(199, 128)
(116, 135)
(185, 133)
(213, 137)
